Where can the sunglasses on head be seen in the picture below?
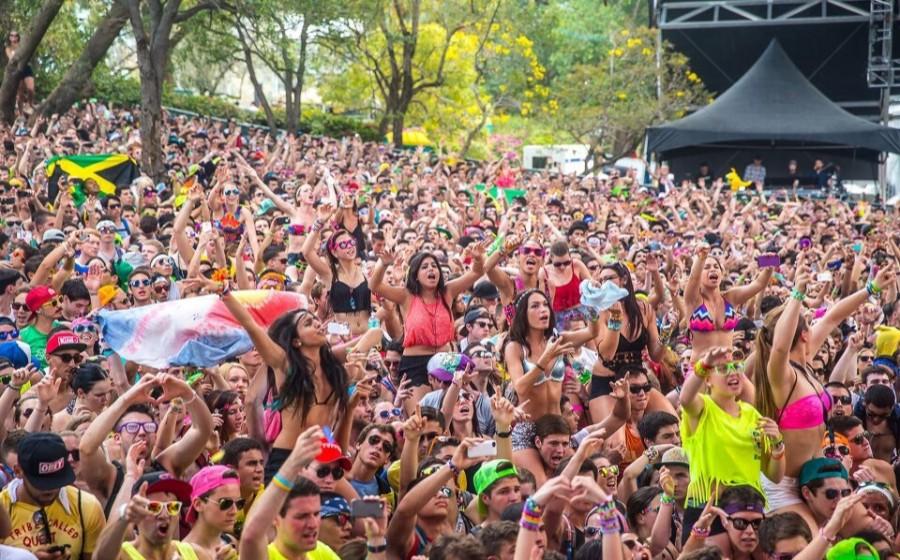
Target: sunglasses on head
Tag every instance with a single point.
(637, 389)
(11, 335)
(834, 493)
(66, 358)
(562, 264)
(336, 473)
(536, 251)
(385, 444)
(226, 504)
(172, 508)
(385, 414)
(741, 524)
(139, 283)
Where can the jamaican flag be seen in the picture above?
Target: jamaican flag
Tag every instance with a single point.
(107, 170)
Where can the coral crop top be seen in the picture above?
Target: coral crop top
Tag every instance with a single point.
(427, 324)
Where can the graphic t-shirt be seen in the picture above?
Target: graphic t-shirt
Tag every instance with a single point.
(64, 517)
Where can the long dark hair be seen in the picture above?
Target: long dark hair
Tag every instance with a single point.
(518, 331)
(412, 277)
(329, 245)
(629, 303)
(299, 389)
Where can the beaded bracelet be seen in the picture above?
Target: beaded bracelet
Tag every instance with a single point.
(317, 226)
(666, 499)
(610, 525)
(613, 325)
(591, 314)
(453, 468)
(797, 295)
(700, 369)
(532, 508)
(872, 288)
(529, 526)
(700, 532)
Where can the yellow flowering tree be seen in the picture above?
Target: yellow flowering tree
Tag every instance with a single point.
(608, 105)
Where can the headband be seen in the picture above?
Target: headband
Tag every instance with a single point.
(877, 488)
(737, 508)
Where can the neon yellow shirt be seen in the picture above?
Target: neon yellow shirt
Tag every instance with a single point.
(723, 450)
(321, 552)
(184, 550)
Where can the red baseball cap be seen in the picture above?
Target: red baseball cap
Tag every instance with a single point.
(38, 296)
(331, 452)
(64, 340)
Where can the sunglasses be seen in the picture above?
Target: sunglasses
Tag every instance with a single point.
(159, 288)
(80, 329)
(55, 302)
(845, 400)
(730, 368)
(231, 192)
(385, 444)
(11, 335)
(482, 354)
(865, 358)
(340, 518)
(135, 427)
(445, 491)
(66, 358)
(107, 230)
(114, 206)
(836, 451)
(19, 306)
(562, 264)
(741, 524)
(593, 267)
(483, 324)
(172, 508)
(536, 251)
(226, 504)
(139, 283)
(345, 244)
(385, 414)
(74, 455)
(858, 439)
(638, 389)
(881, 415)
(336, 473)
(606, 472)
(834, 493)
(391, 363)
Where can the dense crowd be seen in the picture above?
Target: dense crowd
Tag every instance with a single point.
(478, 362)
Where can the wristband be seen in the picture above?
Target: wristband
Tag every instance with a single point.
(122, 509)
(700, 532)
(453, 468)
(610, 525)
(872, 288)
(776, 456)
(652, 454)
(666, 499)
(613, 325)
(317, 226)
(505, 434)
(279, 482)
(376, 549)
(700, 369)
(826, 538)
(797, 295)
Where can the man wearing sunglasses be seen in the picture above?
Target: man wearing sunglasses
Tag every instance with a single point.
(47, 514)
(45, 309)
(329, 467)
(374, 450)
(153, 511)
(880, 416)
(823, 482)
(850, 428)
(64, 353)
(215, 503)
(336, 526)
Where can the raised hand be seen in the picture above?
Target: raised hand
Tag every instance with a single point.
(556, 348)
(308, 445)
(134, 461)
(138, 507)
(404, 392)
(503, 411)
(48, 388)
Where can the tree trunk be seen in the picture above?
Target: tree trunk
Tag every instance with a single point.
(71, 87)
(257, 87)
(397, 128)
(301, 68)
(291, 118)
(15, 68)
(152, 162)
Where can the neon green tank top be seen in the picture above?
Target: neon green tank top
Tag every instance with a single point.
(723, 450)
(185, 551)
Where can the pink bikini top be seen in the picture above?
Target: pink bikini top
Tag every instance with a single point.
(807, 412)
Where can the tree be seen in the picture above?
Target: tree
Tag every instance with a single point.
(15, 67)
(153, 43)
(384, 37)
(73, 83)
(610, 104)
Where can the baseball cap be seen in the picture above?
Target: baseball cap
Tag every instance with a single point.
(489, 473)
(38, 296)
(64, 340)
(208, 479)
(444, 364)
(847, 550)
(821, 468)
(16, 352)
(675, 457)
(265, 207)
(474, 314)
(53, 234)
(334, 504)
(42, 457)
(161, 481)
(331, 453)
(485, 290)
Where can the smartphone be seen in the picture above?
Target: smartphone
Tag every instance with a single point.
(282, 220)
(835, 265)
(857, 247)
(484, 449)
(768, 261)
(824, 276)
(366, 508)
(341, 329)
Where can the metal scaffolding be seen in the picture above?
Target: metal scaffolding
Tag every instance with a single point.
(700, 14)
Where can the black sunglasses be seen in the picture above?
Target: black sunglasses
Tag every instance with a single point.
(858, 439)
(833, 493)
(637, 389)
(845, 400)
(66, 358)
(386, 445)
(562, 264)
(741, 524)
(226, 504)
(337, 473)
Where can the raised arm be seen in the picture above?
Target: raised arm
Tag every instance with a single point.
(181, 454)
(739, 295)
(692, 289)
(271, 353)
(467, 280)
(311, 245)
(382, 288)
(785, 328)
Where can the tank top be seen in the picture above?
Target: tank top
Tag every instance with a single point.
(723, 450)
(568, 295)
(427, 324)
(185, 551)
(344, 299)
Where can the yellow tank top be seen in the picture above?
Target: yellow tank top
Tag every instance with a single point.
(723, 450)
(185, 551)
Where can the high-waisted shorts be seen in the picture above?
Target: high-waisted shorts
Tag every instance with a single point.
(415, 368)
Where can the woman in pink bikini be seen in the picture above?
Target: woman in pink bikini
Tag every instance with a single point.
(530, 257)
(715, 314)
(789, 392)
